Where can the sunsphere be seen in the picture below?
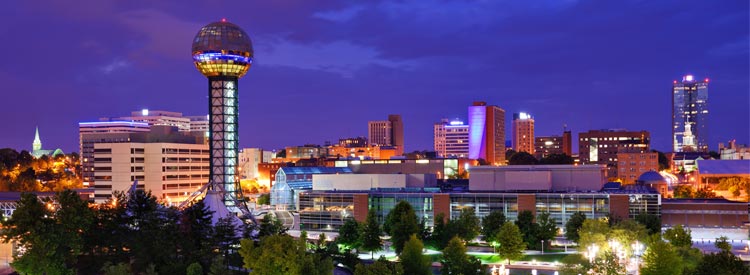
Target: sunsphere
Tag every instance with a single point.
(222, 51)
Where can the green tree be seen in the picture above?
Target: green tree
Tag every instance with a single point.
(270, 225)
(456, 261)
(349, 233)
(722, 243)
(679, 236)
(651, 222)
(51, 232)
(281, 254)
(119, 269)
(440, 232)
(401, 223)
(546, 229)
(511, 242)
(194, 269)
(593, 232)
(663, 160)
(661, 259)
(467, 225)
(722, 263)
(525, 223)
(371, 234)
(683, 191)
(264, 199)
(412, 259)
(705, 193)
(573, 225)
(628, 232)
(379, 267)
(522, 158)
(218, 267)
(491, 225)
(556, 159)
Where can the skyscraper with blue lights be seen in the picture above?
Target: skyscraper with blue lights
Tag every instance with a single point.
(690, 115)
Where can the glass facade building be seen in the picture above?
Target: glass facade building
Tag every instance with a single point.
(690, 115)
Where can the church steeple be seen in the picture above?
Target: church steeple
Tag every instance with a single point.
(37, 145)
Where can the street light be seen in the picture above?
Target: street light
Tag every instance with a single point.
(593, 249)
(542, 247)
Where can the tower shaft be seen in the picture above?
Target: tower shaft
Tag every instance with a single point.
(223, 138)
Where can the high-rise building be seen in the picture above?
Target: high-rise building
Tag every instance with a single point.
(451, 139)
(602, 146)
(487, 133)
(170, 164)
(223, 52)
(165, 118)
(548, 145)
(523, 133)
(387, 133)
(690, 115)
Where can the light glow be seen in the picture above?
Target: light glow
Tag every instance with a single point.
(688, 78)
(477, 121)
(144, 112)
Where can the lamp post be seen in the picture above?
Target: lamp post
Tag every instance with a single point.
(637, 250)
(542, 247)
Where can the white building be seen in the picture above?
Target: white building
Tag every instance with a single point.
(91, 133)
(358, 182)
(249, 160)
(542, 178)
(451, 139)
(171, 171)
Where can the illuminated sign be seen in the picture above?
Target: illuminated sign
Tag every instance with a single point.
(205, 57)
(688, 78)
(456, 122)
(144, 112)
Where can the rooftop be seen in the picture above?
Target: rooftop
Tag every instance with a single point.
(728, 167)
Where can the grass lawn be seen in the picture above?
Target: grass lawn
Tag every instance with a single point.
(491, 259)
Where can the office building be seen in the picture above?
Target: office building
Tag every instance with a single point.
(168, 163)
(156, 117)
(250, 158)
(91, 133)
(633, 164)
(523, 133)
(548, 145)
(690, 115)
(487, 133)
(387, 133)
(602, 146)
(353, 142)
(451, 139)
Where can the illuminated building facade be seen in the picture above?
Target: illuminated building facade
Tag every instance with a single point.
(602, 146)
(169, 163)
(353, 142)
(487, 133)
(91, 133)
(36, 148)
(690, 115)
(632, 164)
(548, 145)
(451, 139)
(387, 133)
(223, 52)
(523, 133)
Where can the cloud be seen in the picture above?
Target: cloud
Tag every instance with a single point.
(341, 15)
(340, 56)
(165, 34)
(115, 65)
(734, 48)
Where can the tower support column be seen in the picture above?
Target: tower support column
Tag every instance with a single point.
(223, 138)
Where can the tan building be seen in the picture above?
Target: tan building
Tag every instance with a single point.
(366, 152)
(602, 146)
(632, 164)
(387, 133)
(171, 171)
(487, 133)
(523, 133)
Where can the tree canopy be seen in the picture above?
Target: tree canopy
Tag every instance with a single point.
(412, 259)
(511, 242)
(401, 223)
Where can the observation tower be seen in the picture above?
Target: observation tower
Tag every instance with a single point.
(223, 52)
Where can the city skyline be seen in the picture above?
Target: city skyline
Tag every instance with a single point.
(129, 58)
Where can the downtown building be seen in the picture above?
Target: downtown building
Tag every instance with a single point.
(548, 145)
(487, 133)
(451, 139)
(523, 133)
(602, 146)
(690, 115)
(169, 163)
(387, 133)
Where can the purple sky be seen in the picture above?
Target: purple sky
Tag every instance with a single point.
(324, 68)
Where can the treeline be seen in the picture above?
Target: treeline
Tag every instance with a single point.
(20, 171)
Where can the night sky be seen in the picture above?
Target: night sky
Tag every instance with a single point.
(322, 69)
